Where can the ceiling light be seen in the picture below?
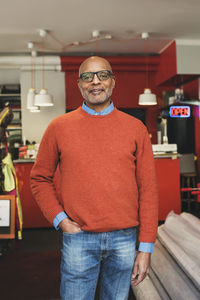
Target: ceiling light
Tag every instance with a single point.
(30, 103)
(43, 32)
(30, 45)
(95, 34)
(43, 99)
(30, 99)
(33, 53)
(145, 35)
(108, 36)
(35, 109)
(147, 98)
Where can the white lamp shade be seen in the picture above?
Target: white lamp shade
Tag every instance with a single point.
(43, 99)
(31, 99)
(147, 98)
(35, 109)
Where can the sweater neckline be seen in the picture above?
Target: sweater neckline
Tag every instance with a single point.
(85, 114)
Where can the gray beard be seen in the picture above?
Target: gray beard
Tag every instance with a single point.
(105, 97)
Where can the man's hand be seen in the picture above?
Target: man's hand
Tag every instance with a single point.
(69, 226)
(141, 267)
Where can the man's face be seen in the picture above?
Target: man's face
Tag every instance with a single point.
(96, 92)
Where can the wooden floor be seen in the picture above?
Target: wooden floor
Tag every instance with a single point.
(27, 266)
(36, 245)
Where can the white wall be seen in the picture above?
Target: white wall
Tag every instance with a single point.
(34, 124)
(10, 76)
(188, 59)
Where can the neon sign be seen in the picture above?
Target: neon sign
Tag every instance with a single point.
(179, 111)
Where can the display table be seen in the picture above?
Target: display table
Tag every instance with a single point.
(168, 175)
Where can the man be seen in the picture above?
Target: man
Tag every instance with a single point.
(108, 187)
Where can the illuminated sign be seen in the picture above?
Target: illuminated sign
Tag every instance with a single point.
(197, 111)
(179, 111)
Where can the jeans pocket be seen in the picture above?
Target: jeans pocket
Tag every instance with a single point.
(72, 233)
(129, 231)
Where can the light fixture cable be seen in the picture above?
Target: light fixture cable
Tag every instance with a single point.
(43, 98)
(147, 61)
(32, 70)
(147, 98)
(43, 49)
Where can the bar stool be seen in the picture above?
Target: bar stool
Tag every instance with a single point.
(188, 178)
(196, 192)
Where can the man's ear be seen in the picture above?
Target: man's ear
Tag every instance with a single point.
(78, 83)
(113, 81)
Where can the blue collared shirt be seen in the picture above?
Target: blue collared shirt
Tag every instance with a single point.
(143, 247)
(103, 112)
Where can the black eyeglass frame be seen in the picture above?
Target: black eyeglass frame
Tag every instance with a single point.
(110, 73)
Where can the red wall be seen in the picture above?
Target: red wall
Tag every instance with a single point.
(130, 73)
(191, 91)
(168, 66)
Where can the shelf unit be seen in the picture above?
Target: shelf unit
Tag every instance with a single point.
(13, 99)
(11, 93)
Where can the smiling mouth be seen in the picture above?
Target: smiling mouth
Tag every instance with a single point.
(96, 91)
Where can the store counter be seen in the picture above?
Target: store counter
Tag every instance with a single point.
(168, 176)
(32, 215)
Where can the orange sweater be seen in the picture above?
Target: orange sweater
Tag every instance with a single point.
(107, 171)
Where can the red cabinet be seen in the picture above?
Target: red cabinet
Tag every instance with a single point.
(32, 215)
(168, 176)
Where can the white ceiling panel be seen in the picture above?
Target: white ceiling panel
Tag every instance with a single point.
(72, 21)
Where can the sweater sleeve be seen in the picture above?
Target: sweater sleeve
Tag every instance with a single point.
(42, 175)
(147, 188)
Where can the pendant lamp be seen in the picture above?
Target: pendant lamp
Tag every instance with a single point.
(30, 99)
(147, 98)
(35, 109)
(43, 98)
(30, 104)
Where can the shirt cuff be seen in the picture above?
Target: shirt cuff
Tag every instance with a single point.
(146, 247)
(61, 216)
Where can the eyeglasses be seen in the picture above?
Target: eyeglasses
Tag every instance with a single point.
(102, 75)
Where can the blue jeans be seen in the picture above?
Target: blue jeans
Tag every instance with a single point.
(89, 256)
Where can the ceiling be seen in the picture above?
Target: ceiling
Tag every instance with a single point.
(71, 22)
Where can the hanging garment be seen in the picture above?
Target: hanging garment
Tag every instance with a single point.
(11, 188)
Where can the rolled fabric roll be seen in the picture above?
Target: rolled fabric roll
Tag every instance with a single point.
(188, 264)
(172, 277)
(191, 220)
(185, 236)
(158, 285)
(146, 290)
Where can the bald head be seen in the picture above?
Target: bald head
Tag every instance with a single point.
(90, 64)
(96, 92)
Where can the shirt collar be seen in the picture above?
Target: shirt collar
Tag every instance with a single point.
(103, 112)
